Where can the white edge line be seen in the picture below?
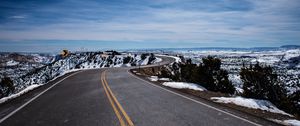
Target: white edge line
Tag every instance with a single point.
(197, 101)
(35, 97)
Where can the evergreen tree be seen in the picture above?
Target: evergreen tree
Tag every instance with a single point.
(222, 82)
(7, 87)
(189, 61)
(187, 71)
(127, 59)
(144, 56)
(294, 100)
(262, 83)
(211, 64)
(151, 58)
(209, 74)
(216, 79)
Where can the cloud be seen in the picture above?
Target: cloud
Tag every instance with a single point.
(18, 17)
(219, 22)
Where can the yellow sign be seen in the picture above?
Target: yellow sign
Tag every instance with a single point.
(64, 53)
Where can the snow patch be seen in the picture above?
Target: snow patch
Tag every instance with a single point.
(239, 90)
(177, 59)
(291, 53)
(12, 63)
(157, 60)
(292, 122)
(153, 78)
(236, 81)
(164, 79)
(184, 85)
(250, 103)
(145, 61)
(29, 88)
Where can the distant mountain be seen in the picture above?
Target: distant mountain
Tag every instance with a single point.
(290, 46)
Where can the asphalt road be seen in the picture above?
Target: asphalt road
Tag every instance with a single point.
(114, 97)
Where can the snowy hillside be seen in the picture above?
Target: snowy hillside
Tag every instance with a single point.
(16, 64)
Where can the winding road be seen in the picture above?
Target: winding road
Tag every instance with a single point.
(115, 97)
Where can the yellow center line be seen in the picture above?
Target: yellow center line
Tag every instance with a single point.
(130, 123)
(122, 123)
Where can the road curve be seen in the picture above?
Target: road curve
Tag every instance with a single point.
(114, 97)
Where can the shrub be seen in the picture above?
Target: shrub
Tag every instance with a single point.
(133, 64)
(144, 56)
(165, 73)
(215, 78)
(151, 58)
(7, 87)
(211, 64)
(189, 61)
(126, 60)
(222, 82)
(209, 74)
(115, 53)
(262, 83)
(294, 100)
(187, 72)
(175, 74)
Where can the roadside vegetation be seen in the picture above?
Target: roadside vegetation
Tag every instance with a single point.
(150, 55)
(6, 87)
(259, 82)
(208, 74)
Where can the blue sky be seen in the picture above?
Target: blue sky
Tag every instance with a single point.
(52, 25)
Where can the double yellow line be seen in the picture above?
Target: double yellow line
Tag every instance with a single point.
(115, 104)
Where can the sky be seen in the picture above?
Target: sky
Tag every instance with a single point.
(52, 25)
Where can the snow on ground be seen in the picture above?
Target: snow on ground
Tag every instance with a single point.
(41, 59)
(236, 81)
(157, 60)
(153, 78)
(266, 59)
(292, 122)
(177, 59)
(145, 61)
(164, 79)
(239, 90)
(29, 88)
(122, 65)
(12, 63)
(291, 53)
(184, 85)
(250, 103)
